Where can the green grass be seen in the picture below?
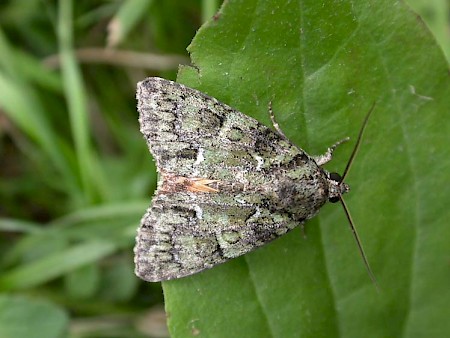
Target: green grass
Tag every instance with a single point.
(76, 175)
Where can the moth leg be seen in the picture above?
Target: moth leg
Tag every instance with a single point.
(322, 159)
(274, 122)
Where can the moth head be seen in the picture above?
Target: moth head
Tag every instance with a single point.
(336, 187)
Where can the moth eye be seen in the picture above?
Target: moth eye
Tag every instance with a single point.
(336, 177)
(333, 199)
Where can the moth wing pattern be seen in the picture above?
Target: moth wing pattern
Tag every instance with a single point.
(182, 235)
(182, 126)
(248, 167)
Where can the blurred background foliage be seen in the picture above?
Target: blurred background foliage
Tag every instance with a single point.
(75, 173)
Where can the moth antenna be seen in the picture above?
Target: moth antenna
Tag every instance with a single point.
(347, 212)
(358, 241)
(358, 142)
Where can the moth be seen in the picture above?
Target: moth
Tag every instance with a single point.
(227, 184)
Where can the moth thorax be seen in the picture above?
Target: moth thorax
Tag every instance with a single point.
(336, 187)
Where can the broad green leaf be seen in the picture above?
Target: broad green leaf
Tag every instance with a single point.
(21, 317)
(323, 64)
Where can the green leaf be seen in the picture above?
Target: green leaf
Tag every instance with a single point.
(323, 64)
(83, 283)
(28, 318)
(55, 265)
(119, 280)
(125, 20)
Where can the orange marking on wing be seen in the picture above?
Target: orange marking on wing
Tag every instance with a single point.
(173, 184)
(201, 185)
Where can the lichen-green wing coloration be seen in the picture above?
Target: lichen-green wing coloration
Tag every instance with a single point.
(227, 184)
(193, 134)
